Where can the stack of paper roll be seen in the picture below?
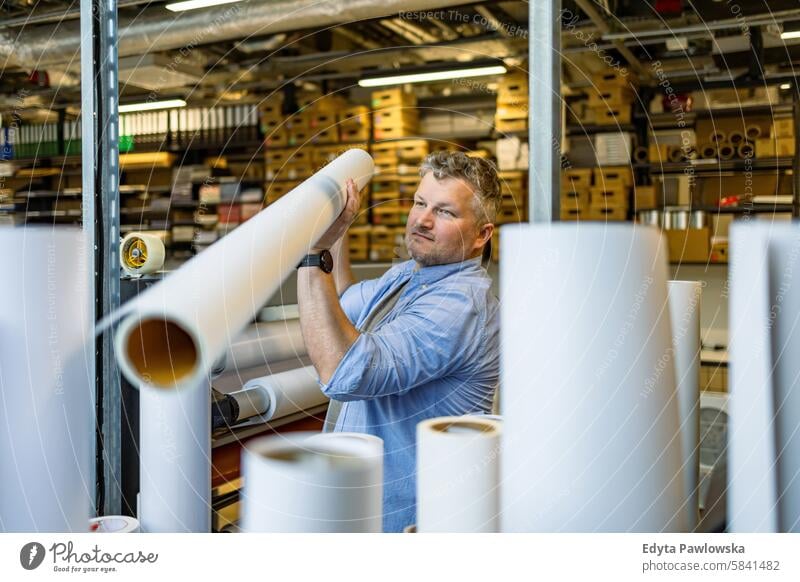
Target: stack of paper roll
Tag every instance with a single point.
(46, 392)
(308, 482)
(458, 470)
(590, 420)
(684, 310)
(763, 435)
(263, 343)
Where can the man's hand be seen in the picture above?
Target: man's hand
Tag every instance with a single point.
(343, 222)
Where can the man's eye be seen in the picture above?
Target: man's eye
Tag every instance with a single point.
(418, 203)
(446, 212)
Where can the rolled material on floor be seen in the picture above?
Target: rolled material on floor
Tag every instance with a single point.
(752, 132)
(289, 392)
(141, 253)
(640, 155)
(114, 524)
(590, 418)
(175, 460)
(263, 343)
(684, 312)
(726, 151)
(458, 472)
(763, 441)
(717, 136)
(708, 151)
(745, 150)
(174, 333)
(735, 138)
(302, 482)
(46, 393)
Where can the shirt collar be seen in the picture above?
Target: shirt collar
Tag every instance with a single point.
(436, 273)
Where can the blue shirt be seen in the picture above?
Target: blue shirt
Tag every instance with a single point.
(436, 353)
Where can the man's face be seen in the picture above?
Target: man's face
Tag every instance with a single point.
(442, 226)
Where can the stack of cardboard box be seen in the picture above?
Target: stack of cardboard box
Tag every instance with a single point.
(393, 188)
(608, 197)
(610, 98)
(394, 114)
(511, 113)
(781, 141)
(576, 184)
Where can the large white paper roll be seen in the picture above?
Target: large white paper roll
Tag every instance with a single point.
(289, 392)
(46, 393)
(300, 482)
(684, 311)
(590, 421)
(763, 442)
(263, 343)
(458, 472)
(175, 460)
(175, 331)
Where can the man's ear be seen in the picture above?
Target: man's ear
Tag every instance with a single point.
(484, 234)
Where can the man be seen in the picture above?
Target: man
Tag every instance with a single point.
(423, 340)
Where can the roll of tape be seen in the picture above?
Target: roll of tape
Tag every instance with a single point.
(141, 253)
(114, 524)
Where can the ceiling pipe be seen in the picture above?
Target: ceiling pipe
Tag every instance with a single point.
(160, 30)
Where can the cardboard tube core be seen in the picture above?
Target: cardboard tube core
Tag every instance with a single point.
(161, 352)
(463, 426)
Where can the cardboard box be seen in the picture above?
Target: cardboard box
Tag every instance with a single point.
(576, 178)
(275, 190)
(615, 197)
(354, 116)
(606, 115)
(509, 215)
(511, 126)
(613, 177)
(512, 111)
(613, 96)
(328, 135)
(689, 246)
(393, 132)
(612, 78)
(390, 213)
(765, 147)
(574, 200)
(512, 88)
(647, 197)
(606, 214)
(783, 127)
(784, 147)
(278, 137)
(574, 213)
(395, 117)
(393, 98)
(352, 134)
(512, 154)
(658, 153)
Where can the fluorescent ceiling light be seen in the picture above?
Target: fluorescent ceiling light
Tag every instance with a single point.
(786, 35)
(152, 105)
(786, 86)
(433, 76)
(194, 4)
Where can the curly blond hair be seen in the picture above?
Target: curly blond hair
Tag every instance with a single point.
(480, 174)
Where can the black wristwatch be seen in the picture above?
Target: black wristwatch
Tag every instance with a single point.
(323, 260)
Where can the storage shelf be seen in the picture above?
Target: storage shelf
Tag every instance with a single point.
(719, 166)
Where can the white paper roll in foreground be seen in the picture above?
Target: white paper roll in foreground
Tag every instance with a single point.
(46, 399)
(263, 343)
(590, 419)
(289, 392)
(175, 460)
(684, 310)
(763, 438)
(298, 482)
(180, 327)
(458, 472)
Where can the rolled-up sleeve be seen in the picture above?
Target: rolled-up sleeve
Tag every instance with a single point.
(432, 337)
(356, 297)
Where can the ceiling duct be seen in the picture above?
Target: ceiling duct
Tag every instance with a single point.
(159, 29)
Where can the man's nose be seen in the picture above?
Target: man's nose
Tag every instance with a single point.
(425, 219)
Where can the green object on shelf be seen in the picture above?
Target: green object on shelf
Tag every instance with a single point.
(125, 143)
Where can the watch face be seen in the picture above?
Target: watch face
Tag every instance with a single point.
(326, 261)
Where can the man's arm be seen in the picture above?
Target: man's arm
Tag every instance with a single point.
(327, 331)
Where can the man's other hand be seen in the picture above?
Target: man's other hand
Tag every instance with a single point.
(343, 222)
